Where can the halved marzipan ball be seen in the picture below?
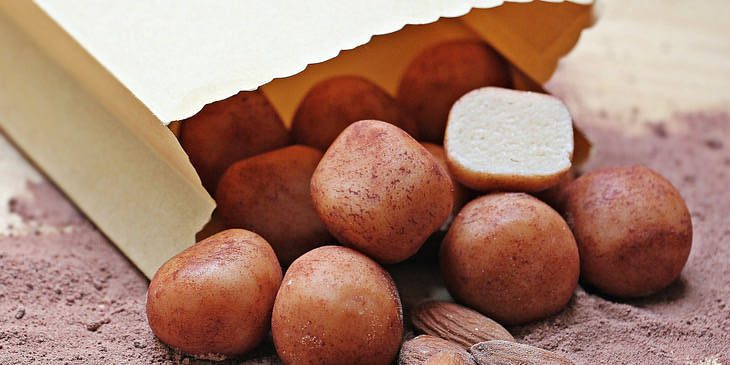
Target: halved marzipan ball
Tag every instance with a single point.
(229, 130)
(215, 297)
(337, 306)
(511, 257)
(501, 139)
(440, 75)
(269, 194)
(381, 192)
(333, 104)
(633, 229)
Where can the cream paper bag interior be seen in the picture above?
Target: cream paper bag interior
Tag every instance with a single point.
(88, 86)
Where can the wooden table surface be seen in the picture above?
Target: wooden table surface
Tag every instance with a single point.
(647, 60)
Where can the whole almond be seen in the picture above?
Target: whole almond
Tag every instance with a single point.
(457, 323)
(418, 350)
(448, 358)
(498, 352)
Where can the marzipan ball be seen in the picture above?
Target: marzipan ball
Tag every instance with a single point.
(333, 104)
(379, 191)
(440, 75)
(215, 297)
(511, 257)
(508, 140)
(269, 194)
(633, 230)
(229, 130)
(337, 306)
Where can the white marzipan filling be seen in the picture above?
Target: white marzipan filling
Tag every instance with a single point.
(500, 131)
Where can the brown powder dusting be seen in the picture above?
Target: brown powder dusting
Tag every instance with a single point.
(67, 295)
(82, 301)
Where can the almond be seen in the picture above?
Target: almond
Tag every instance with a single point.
(447, 358)
(498, 352)
(457, 323)
(418, 350)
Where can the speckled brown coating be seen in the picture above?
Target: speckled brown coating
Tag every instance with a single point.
(216, 296)
(269, 194)
(503, 182)
(380, 191)
(229, 130)
(440, 75)
(511, 257)
(633, 229)
(337, 306)
(333, 104)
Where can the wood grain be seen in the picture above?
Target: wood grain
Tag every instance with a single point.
(647, 60)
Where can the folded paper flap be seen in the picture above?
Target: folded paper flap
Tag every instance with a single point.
(140, 201)
(99, 82)
(192, 53)
(532, 36)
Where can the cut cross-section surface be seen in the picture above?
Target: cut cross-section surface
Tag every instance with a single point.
(502, 139)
